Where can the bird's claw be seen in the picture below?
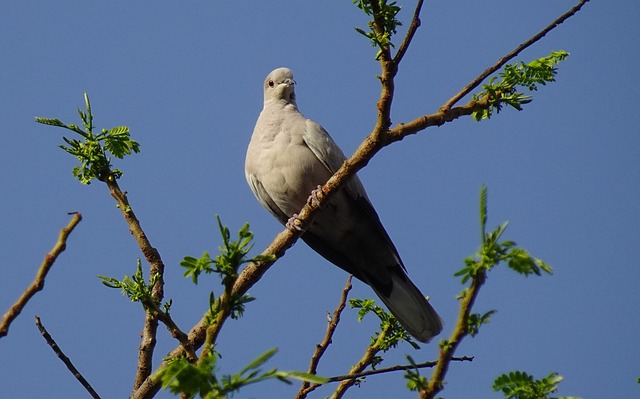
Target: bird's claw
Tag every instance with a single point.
(294, 223)
(316, 196)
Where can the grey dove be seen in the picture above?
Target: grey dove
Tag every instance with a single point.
(287, 158)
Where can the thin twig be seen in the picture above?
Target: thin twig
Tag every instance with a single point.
(396, 368)
(322, 347)
(413, 27)
(66, 360)
(476, 82)
(38, 282)
(389, 369)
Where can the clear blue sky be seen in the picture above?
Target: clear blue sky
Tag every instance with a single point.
(186, 77)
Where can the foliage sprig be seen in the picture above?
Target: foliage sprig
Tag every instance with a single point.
(94, 148)
(493, 251)
(135, 287)
(383, 25)
(232, 255)
(520, 385)
(529, 76)
(188, 379)
(395, 333)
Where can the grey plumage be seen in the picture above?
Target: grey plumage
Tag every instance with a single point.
(288, 157)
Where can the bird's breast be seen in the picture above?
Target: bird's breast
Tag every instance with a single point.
(288, 170)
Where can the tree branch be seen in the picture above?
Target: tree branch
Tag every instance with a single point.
(365, 361)
(38, 282)
(66, 360)
(413, 27)
(396, 368)
(448, 348)
(174, 330)
(478, 80)
(322, 347)
(156, 267)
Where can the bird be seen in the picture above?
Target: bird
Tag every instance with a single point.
(288, 157)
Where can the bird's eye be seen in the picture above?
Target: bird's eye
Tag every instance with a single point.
(271, 83)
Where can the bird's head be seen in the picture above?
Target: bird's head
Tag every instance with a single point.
(279, 86)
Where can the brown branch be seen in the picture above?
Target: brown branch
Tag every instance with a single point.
(448, 348)
(365, 361)
(66, 360)
(396, 368)
(322, 347)
(380, 137)
(439, 118)
(156, 267)
(175, 331)
(413, 27)
(478, 80)
(386, 370)
(38, 282)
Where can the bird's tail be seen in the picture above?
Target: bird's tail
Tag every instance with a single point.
(409, 306)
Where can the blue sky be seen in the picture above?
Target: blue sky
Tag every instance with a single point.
(187, 79)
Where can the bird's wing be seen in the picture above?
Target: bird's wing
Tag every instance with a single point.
(331, 156)
(264, 198)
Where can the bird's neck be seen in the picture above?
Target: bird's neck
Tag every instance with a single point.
(280, 103)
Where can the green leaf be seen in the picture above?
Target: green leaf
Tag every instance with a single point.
(475, 320)
(415, 382)
(302, 376)
(483, 210)
(50, 121)
(260, 360)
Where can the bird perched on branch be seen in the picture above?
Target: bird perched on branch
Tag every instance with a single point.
(288, 157)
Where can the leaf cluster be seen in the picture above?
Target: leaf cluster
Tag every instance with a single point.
(93, 149)
(415, 382)
(136, 288)
(493, 251)
(188, 379)
(537, 72)
(394, 332)
(383, 25)
(233, 254)
(520, 385)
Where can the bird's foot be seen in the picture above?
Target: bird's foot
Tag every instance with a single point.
(316, 197)
(294, 223)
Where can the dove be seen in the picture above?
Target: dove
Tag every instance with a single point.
(288, 157)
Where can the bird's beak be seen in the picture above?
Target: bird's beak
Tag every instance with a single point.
(289, 82)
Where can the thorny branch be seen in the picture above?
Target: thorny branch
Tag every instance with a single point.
(322, 347)
(381, 136)
(66, 360)
(38, 282)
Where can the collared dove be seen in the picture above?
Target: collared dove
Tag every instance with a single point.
(288, 157)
